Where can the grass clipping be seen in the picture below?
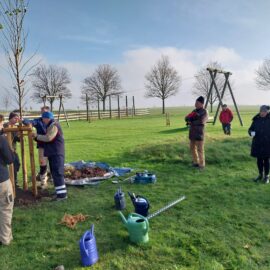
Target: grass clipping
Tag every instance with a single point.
(71, 220)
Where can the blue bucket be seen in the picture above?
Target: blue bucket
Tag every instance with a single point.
(88, 248)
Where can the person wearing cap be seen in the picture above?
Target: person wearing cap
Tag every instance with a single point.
(226, 117)
(38, 124)
(54, 150)
(260, 147)
(196, 120)
(6, 192)
(14, 119)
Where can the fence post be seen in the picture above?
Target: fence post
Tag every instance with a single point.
(110, 106)
(87, 107)
(98, 110)
(133, 105)
(126, 106)
(118, 105)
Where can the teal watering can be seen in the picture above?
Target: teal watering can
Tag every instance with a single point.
(137, 226)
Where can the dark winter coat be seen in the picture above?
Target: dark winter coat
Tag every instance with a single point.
(6, 158)
(38, 124)
(260, 147)
(53, 140)
(197, 120)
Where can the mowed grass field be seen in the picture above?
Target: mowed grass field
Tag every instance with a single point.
(224, 223)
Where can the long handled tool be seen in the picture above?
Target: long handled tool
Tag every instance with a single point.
(166, 207)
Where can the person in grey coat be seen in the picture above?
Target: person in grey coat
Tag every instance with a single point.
(260, 148)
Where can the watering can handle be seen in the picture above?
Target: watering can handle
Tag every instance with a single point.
(92, 230)
(147, 224)
(86, 233)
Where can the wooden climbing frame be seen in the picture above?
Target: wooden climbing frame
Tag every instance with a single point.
(27, 132)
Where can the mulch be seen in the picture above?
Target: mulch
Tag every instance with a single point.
(27, 199)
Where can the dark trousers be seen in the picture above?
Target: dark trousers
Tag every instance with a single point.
(16, 166)
(226, 128)
(263, 165)
(56, 163)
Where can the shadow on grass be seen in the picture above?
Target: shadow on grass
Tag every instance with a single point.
(226, 152)
(175, 130)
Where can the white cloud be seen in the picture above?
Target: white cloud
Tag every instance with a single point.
(137, 62)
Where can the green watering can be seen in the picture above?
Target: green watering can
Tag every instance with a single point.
(137, 226)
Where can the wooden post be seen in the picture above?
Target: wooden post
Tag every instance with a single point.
(110, 106)
(87, 107)
(11, 166)
(235, 105)
(133, 106)
(222, 94)
(98, 109)
(118, 106)
(44, 100)
(211, 86)
(32, 162)
(24, 168)
(126, 106)
(168, 122)
(20, 129)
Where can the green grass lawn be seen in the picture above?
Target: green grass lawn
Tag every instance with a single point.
(223, 223)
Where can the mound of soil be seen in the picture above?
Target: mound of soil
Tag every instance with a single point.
(26, 198)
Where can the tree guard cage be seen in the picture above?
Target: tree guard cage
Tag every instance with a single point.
(213, 74)
(23, 131)
(61, 106)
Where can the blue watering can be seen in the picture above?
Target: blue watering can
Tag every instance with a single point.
(140, 203)
(88, 248)
(119, 199)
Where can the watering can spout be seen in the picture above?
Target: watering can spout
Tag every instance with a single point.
(123, 217)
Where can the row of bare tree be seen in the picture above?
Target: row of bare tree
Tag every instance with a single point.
(162, 81)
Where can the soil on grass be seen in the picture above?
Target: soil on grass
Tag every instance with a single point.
(27, 198)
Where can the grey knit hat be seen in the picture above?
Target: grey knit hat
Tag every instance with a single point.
(264, 108)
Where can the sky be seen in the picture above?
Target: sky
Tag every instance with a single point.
(133, 35)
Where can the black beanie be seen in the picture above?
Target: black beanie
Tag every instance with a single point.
(12, 114)
(200, 99)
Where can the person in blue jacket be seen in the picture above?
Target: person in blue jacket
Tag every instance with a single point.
(38, 124)
(54, 149)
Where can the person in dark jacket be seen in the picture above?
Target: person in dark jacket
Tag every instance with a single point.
(260, 148)
(196, 120)
(2, 118)
(54, 149)
(6, 193)
(38, 124)
(13, 121)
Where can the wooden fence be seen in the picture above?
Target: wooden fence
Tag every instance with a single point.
(95, 115)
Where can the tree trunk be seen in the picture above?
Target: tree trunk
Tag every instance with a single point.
(51, 105)
(163, 106)
(103, 105)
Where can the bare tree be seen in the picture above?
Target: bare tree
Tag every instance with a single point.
(6, 101)
(12, 14)
(263, 75)
(203, 82)
(104, 82)
(50, 81)
(163, 81)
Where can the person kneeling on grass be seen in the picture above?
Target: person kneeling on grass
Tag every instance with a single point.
(38, 124)
(54, 149)
(260, 148)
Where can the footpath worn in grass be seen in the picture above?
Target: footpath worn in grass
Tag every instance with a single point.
(223, 223)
